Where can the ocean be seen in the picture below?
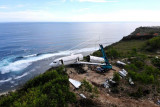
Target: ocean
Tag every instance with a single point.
(27, 49)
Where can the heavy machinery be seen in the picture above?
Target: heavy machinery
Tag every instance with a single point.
(107, 65)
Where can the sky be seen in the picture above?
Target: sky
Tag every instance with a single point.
(79, 10)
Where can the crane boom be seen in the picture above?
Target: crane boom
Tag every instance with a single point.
(108, 65)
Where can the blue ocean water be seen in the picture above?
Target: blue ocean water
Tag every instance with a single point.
(27, 49)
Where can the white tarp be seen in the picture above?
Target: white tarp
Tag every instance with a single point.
(75, 83)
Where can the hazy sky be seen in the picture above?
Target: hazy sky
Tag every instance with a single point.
(79, 10)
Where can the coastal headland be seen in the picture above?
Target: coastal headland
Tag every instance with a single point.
(141, 53)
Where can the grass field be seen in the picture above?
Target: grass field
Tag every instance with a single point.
(126, 46)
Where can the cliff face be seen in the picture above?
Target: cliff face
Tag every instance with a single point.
(143, 33)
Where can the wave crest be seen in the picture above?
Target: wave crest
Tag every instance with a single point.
(28, 60)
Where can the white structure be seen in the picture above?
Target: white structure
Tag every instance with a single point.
(83, 96)
(121, 63)
(89, 63)
(75, 83)
(67, 60)
(130, 81)
(96, 59)
(124, 71)
(106, 84)
(121, 73)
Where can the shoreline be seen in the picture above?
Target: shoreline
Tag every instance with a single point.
(7, 92)
(15, 89)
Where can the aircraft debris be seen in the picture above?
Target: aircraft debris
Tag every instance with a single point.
(122, 74)
(124, 71)
(130, 81)
(75, 83)
(83, 96)
(106, 84)
(158, 102)
(119, 63)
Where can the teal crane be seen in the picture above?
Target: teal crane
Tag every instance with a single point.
(108, 66)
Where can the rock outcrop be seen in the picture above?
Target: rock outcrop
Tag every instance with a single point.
(143, 33)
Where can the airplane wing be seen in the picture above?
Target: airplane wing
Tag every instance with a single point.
(88, 63)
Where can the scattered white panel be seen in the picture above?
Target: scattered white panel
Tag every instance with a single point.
(83, 96)
(75, 83)
(121, 63)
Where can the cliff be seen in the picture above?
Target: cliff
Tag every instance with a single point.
(143, 33)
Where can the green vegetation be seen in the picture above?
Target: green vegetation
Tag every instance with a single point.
(156, 62)
(113, 53)
(86, 86)
(141, 68)
(127, 46)
(137, 94)
(153, 44)
(139, 71)
(123, 49)
(50, 89)
(116, 77)
(146, 30)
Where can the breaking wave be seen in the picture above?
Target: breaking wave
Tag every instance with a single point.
(21, 76)
(7, 80)
(26, 61)
(30, 56)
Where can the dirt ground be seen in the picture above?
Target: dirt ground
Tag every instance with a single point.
(105, 98)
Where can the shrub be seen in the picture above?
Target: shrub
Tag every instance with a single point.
(148, 75)
(98, 53)
(138, 93)
(116, 77)
(156, 62)
(87, 86)
(112, 53)
(49, 89)
(131, 67)
(153, 44)
(133, 52)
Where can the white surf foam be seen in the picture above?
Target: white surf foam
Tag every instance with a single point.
(21, 76)
(30, 56)
(12, 82)
(7, 80)
(24, 63)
